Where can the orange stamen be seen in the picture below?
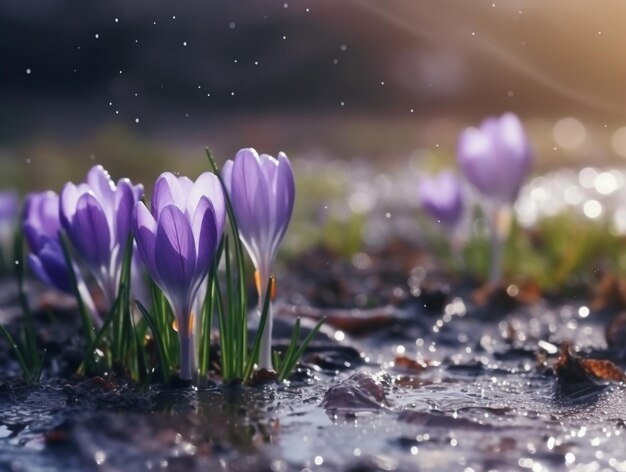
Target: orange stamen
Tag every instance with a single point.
(192, 317)
(258, 284)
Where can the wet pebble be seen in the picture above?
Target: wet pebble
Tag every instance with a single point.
(359, 392)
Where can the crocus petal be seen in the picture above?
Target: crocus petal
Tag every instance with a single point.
(206, 235)
(145, 228)
(9, 202)
(441, 197)
(39, 270)
(285, 195)
(227, 174)
(124, 203)
(250, 198)
(90, 231)
(208, 186)
(511, 141)
(170, 190)
(50, 267)
(101, 184)
(496, 158)
(176, 261)
(68, 202)
(475, 148)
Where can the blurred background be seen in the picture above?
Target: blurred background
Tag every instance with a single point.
(144, 86)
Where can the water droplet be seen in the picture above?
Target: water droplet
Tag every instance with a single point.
(232, 25)
(343, 47)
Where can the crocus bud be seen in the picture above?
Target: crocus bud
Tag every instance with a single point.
(9, 206)
(41, 229)
(441, 196)
(496, 157)
(177, 241)
(97, 218)
(262, 192)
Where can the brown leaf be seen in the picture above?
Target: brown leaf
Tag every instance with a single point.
(573, 369)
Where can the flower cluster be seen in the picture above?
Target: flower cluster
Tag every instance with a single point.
(495, 159)
(178, 240)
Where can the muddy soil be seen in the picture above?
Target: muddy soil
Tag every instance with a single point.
(413, 371)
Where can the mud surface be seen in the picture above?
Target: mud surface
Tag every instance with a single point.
(420, 376)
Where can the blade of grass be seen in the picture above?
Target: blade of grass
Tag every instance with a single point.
(87, 324)
(257, 340)
(224, 341)
(242, 306)
(26, 371)
(29, 335)
(291, 363)
(98, 337)
(163, 357)
(290, 350)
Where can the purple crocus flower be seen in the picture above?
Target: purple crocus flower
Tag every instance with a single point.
(496, 157)
(97, 218)
(262, 192)
(441, 196)
(9, 206)
(41, 229)
(177, 241)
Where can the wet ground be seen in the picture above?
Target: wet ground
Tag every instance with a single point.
(421, 381)
(414, 370)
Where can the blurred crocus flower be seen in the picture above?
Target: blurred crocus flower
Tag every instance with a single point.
(262, 192)
(496, 157)
(441, 196)
(41, 229)
(97, 217)
(177, 241)
(9, 204)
